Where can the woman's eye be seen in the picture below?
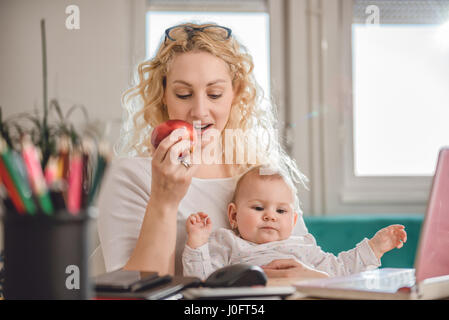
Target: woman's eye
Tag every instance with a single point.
(215, 96)
(183, 96)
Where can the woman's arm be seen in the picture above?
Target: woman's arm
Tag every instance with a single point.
(138, 211)
(170, 180)
(155, 247)
(291, 268)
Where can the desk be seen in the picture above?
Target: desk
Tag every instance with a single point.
(276, 282)
(298, 295)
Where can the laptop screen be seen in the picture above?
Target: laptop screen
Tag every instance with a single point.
(432, 259)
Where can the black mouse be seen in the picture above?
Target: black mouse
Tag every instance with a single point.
(237, 275)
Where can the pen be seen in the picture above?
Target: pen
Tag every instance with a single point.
(51, 170)
(58, 189)
(102, 162)
(64, 145)
(11, 189)
(75, 181)
(57, 199)
(35, 174)
(88, 152)
(12, 165)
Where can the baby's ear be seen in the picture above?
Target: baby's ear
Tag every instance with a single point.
(232, 213)
(295, 218)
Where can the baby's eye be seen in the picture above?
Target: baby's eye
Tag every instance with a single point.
(281, 211)
(258, 208)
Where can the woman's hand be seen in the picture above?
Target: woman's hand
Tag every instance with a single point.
(388, 238)
(291, 268)
(170, 178)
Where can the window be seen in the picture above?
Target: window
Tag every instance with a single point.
(369, 103)
(400, 88)
(395, 113)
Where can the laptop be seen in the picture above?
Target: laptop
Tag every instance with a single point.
(429, 279)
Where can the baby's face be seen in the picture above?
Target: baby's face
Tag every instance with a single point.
(263, 210)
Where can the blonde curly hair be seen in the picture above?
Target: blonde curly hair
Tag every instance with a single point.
(144, 107)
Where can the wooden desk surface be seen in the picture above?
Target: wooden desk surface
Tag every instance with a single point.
(279, 282)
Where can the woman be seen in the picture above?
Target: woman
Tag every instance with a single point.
(200, 73)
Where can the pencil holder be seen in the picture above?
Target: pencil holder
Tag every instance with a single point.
(46, 257)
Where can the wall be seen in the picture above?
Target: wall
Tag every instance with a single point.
(90, 66)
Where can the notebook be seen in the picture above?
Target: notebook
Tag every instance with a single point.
(429, 279)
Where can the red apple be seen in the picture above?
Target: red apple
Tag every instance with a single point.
(164, 129)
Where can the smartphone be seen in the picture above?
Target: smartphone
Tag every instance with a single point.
(164, 290)
(126, 280)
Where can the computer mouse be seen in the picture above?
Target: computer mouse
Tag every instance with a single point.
(237, 275)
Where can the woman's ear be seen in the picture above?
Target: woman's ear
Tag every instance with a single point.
(164, 92)
(236, 91)
(232, 215)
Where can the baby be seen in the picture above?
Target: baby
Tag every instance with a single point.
(262, 215)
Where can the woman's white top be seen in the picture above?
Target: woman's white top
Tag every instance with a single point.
(225, 248)
(123, 199)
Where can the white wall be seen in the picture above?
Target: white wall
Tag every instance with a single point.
(90, 66)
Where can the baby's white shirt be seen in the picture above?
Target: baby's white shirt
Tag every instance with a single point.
(226, 248)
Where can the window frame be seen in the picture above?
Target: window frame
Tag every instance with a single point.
(211, 5)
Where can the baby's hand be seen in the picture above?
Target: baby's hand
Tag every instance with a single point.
(388, 238)
(199, 227)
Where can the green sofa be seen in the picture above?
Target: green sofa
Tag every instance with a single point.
(340, 233)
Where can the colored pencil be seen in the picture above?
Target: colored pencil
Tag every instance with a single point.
(13, 165)
(75, 183)
(35, 175)
(11, 189)
(102, 163)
